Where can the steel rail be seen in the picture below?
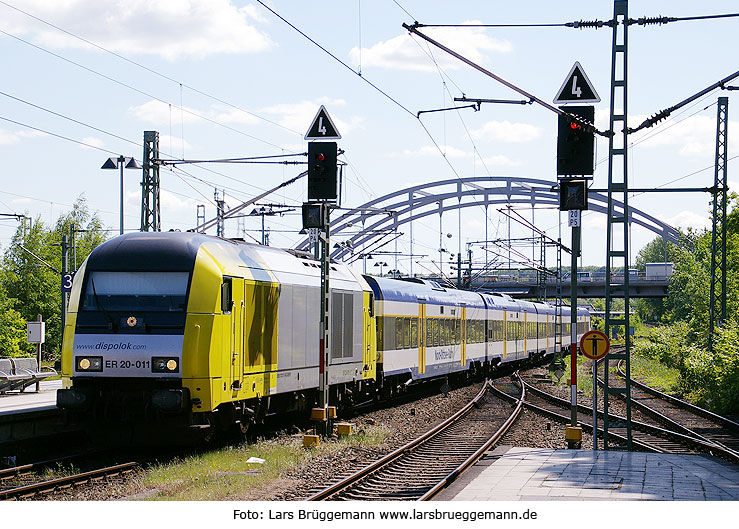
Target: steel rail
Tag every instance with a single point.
(481, 451)
(389, 458)
(683, 404)
(641, 426)
(587, 426)
(730, 453)
(699, 443)
(53, 484)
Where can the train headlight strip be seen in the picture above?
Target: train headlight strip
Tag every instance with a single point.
(88, 364)
(165, 364)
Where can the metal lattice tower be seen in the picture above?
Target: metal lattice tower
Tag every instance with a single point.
(151, 219)
(200, 214)
(220, 210)
(717, 303)
(617, 233)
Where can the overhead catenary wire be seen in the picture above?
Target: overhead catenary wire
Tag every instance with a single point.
(148, 69)
(364, 78)
(60, 136)
(139, 91)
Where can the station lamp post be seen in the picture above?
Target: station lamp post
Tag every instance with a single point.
(381, 264)
(122, 162)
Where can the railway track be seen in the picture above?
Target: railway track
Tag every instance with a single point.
(646, 437)
(10, 489)
(686, 417)
(423, 467)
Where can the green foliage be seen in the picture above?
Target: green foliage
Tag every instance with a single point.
(12, 329)
(30, 284)
(666, 344)
(712, 378)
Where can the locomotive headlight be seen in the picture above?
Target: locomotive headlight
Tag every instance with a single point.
(89, 363)
(163, 364)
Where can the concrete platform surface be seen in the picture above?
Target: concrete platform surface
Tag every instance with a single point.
(17, 402)
(530, 474)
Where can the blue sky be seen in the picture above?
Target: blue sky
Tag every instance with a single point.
(229, 79)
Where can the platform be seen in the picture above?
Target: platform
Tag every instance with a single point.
(531, 474)
(17, 402)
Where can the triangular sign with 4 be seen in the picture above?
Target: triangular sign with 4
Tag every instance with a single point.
(577, 88)
(322, 128)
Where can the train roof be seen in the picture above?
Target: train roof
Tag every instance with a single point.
(157, 251)
(429, 292)
(177, 251)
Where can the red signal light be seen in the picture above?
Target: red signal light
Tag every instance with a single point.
(574, 126)
(321, 157)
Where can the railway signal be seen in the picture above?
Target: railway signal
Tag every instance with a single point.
(322, 170)
(322, 186)
(575, 141)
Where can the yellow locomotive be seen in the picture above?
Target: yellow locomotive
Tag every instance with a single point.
(192, 330)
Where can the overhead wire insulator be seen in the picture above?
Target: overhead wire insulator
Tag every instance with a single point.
(580, 24)
(659, 116)
(651, 21)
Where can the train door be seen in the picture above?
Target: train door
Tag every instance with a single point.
(421, 338)
(237, 333)
(368, 358)
(463, 336)
(505, 334)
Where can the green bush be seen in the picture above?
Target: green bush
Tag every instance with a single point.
(712, 378)
(666, 344)
(13, 334)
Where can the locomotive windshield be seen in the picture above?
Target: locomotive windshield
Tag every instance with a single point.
(136, 291)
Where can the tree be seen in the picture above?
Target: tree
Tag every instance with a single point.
(31, 266)
(12, 329)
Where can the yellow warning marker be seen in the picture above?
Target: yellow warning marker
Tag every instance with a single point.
(344, 428)
(310, 441)
(573, 436)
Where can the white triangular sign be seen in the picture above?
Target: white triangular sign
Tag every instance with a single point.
(577, 88)
(322, 127)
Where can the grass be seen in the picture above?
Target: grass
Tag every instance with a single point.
(224, 474)
(654, 374)
(646, 370)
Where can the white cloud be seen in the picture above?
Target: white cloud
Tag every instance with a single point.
(501, 160)
(294, 116)
(21, 201)
(591, 221)
(456, 153)
(172, 203)
(8, 137)
(226, 114)
(169, 28)
(172, 146)
(506, 131)
(299, 116)
(687, 219)
(161, 113)
(403, 53)
(92, 142)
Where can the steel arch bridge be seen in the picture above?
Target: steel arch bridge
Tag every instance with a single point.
(380, 218)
